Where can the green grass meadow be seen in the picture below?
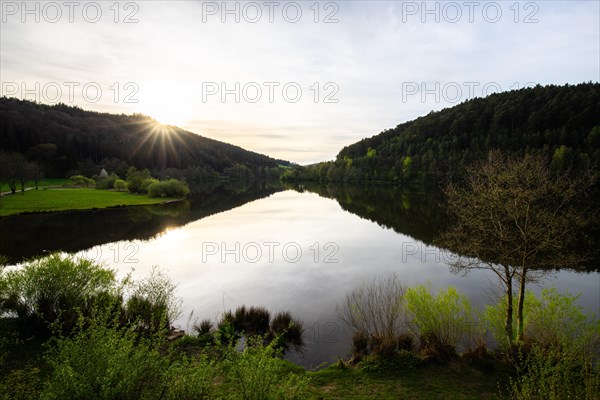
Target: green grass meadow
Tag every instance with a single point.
(42, 200)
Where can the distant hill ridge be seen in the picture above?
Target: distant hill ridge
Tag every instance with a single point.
(98, 138)
(560, 121)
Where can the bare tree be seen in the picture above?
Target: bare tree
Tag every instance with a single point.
(518, 219)
(11, 165)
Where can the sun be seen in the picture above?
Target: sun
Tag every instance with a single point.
(167, 106)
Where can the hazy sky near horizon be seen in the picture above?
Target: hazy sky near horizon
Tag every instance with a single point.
(294, 80)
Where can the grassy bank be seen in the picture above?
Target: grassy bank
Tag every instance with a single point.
(458, 379)
(70, 199)
(452, 380)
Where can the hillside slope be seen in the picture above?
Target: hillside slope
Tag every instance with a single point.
(561, 121)
(100, 138)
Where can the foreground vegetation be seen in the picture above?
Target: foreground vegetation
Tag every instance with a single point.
(71, 330)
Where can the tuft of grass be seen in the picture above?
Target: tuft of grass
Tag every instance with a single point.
(33, 201)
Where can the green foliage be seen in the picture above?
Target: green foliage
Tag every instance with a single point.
(287, 331)
(189, 379)
(153, 305)
(105, 362)
(170, 188)
(441, 144)
(398, 361)
(120, 185)
(81, 181)
(556, 373)
(441, 322)
(107, 183)
(54, 289)
(21, 384)
(282, 331)
(554, 319)
(557, 320)
(136, 179)
(258, 374)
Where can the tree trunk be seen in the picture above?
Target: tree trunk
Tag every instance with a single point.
(508, 327)
(520, 326)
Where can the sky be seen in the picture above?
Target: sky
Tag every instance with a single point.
(294, 80)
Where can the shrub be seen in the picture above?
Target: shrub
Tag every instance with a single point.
(376, 312)
(442, 322)
(170, 188)
(189, 380)
(556, 373)
(145, 184)
(282, 331)
(554, 319)
(106, 183)
(252, 322)
(80, 180)
(120, 185)
(557, 320)
(153, 305)
(258, 374)
(55, 289)
(103, 361)
(138, 181)
(287, 331)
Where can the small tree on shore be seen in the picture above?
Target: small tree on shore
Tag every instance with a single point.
(518, 219)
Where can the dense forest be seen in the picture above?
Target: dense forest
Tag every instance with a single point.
(68, 140)
(563, 122)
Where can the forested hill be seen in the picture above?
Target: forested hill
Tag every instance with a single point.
(561, 121)
(69, 136)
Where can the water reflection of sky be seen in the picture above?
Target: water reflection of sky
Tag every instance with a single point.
(201, 257)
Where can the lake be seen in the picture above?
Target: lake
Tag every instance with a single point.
(287, 249)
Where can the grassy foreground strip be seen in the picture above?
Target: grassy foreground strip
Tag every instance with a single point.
(70, 199)
(452, 380)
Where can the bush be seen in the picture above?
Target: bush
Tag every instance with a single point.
(557, 320)
(189, 380)
(107, 183)
(101, 362)
(120, 185)
(252, 322)
(376, 312)
(170, 188)
(258, 374)
(287, 331)
(135, 179)
(80, 180)
(54, 289)
(153, 305)
(145, 184)
(554, 319)
(556, 373)
(442, 322)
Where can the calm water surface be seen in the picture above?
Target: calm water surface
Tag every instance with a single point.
(288, 250)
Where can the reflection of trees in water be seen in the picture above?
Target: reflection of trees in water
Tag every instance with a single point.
(413, 212)
(27, 236)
